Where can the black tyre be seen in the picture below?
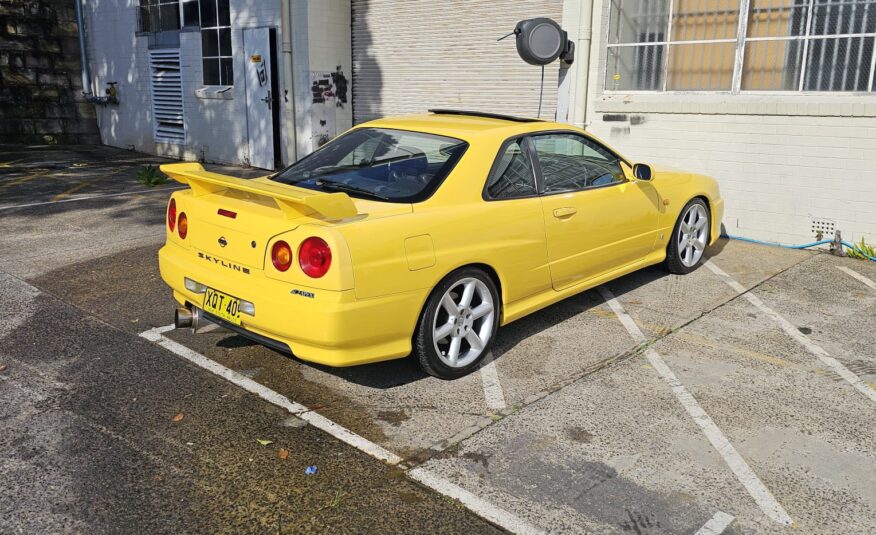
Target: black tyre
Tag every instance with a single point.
(458, 324)
(689, 238)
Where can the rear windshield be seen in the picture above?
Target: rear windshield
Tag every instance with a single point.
(378, 163)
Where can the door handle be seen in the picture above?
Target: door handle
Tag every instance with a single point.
(267, 100)
(562, 213)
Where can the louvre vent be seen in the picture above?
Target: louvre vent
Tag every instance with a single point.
(167, 96)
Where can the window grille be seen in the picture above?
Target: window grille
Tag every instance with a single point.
(741, 45)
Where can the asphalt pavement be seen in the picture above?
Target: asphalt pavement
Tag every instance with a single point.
(731, 400)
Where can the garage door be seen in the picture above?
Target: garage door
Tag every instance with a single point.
(412, 55)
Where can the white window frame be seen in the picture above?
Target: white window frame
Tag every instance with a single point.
(740, 40)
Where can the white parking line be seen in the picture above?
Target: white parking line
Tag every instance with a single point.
(479, 506)
(716, 525)
(737, 464)
(795, 333)
(858, 276)
(493, 393)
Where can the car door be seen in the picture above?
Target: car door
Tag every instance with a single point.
(597, 217)
(511, 223)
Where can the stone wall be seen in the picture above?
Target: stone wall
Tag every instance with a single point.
(40, 83)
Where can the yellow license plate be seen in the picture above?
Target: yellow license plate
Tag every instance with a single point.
(222, 305)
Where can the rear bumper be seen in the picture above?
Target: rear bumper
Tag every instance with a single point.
(332, 327)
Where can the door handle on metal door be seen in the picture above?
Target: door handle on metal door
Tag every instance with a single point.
(562, 213)
(268, 99)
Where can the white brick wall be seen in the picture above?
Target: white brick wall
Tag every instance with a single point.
(781, 160)
(215, 129)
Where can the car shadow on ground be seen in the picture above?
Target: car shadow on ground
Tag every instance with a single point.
(403, 371)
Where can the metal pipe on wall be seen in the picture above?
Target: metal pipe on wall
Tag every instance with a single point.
(291, 128)
(83, 55)
(582, 73)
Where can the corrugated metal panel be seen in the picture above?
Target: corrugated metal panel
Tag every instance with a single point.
(167, 96)
(412, 55)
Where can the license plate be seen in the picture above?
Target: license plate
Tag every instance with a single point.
(222, 305)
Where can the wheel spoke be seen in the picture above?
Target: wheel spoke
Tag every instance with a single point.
(474, 340)
(467, 294)
(449, 305)
(701, 222)
(443, 331)
(699, 245)
(689, 251)
(685, 228)
(481, 310)
(453, 350)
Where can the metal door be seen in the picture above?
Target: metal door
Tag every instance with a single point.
(261, 97)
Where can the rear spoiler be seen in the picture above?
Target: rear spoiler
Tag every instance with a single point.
(293, 201)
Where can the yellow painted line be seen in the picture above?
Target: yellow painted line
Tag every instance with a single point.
(70, 191)
(10, 164)
(27, 178)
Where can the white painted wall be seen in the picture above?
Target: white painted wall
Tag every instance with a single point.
(781, 160)
(215, 129)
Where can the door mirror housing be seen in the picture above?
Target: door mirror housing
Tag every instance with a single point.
(642, 171)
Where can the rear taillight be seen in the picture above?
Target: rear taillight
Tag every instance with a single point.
(171, 214)
(314, 257)
(281, 255)
(183, 225)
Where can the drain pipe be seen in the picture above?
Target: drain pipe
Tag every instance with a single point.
(111, 90)
(289, 81)
(83, 55)
(582, 88)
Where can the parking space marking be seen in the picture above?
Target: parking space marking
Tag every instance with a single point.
(858, 276)
(755, 487)
(477, 505)
(795, 333)
(493, 393)
(89, 197)
(483, 508)
(716, 525)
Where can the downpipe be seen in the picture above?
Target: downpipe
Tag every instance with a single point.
(194, 319)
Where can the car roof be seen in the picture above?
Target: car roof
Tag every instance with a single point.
(465, 126)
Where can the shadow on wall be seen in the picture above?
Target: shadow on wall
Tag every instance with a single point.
(367, 91)
(216, 130)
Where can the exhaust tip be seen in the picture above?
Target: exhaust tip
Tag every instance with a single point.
(183, 318)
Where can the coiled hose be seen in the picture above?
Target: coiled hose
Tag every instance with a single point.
(846, 244)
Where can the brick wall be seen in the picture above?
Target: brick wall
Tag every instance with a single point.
(40, 87)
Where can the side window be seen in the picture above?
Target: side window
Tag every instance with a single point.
(512, 174)
(571, 162)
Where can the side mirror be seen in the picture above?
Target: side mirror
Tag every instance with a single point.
(642, 171)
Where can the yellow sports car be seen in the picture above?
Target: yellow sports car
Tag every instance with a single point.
(422, 235)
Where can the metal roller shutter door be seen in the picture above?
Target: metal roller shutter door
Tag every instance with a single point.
(412, 55)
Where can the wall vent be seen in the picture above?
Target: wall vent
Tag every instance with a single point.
(167, 96)
(823, 228)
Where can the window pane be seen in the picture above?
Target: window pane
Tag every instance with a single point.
(209, 43)
(838, 64)
(169, 15)
(227, 72)
(190, 13)
(211, 71)
(224, 13)
(704, 19)
(635, 68)
(570, 162)
(701, 67)
(831, 17)
(512, 175)
(777, 18)
(772, 65)
(208, 13)
(225, 42)
(638, 21)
